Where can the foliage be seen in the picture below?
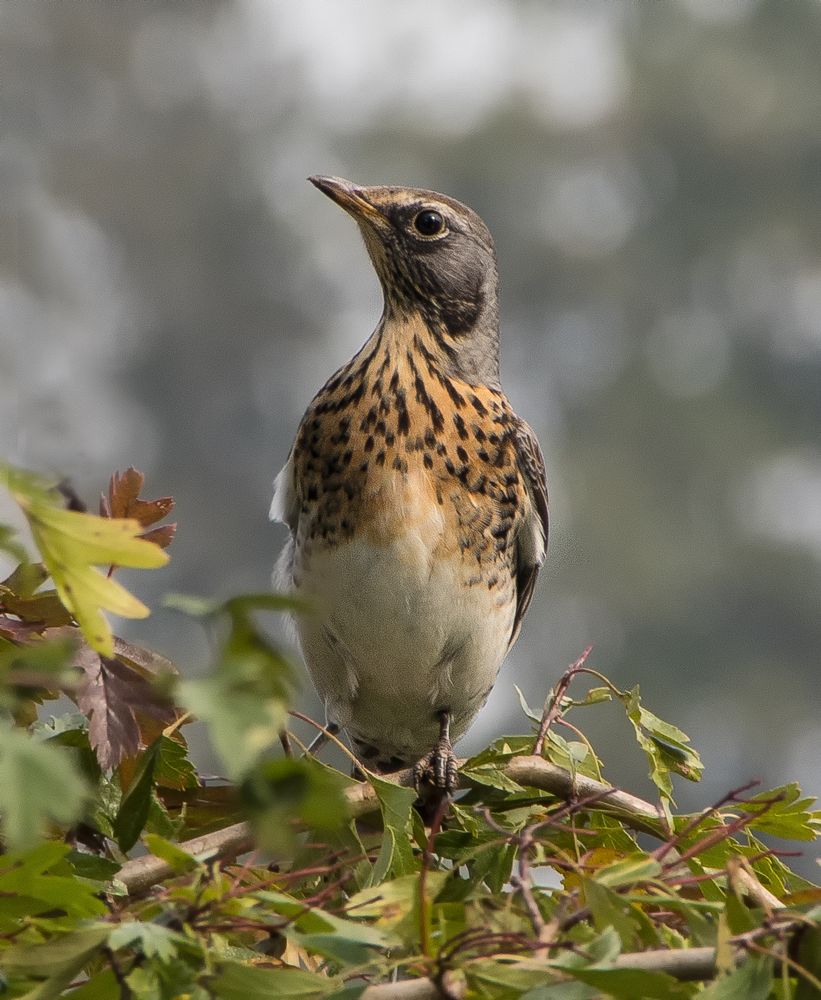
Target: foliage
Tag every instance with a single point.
(541, 881)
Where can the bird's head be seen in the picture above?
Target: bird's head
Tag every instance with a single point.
(436, 261)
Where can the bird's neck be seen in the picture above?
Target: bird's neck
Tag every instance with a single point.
(453, 343)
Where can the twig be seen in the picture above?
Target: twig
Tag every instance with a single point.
(427, 855)
(553, 706)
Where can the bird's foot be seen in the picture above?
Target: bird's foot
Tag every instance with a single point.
(437, 769)
(436, 775)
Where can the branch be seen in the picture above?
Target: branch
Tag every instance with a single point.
(140, 874)
(411, 989)
(684, 964)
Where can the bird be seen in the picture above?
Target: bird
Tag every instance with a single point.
(414, 495)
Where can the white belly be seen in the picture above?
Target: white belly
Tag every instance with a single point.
(397, 635)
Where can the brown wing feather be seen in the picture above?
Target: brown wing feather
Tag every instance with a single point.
(529, 554)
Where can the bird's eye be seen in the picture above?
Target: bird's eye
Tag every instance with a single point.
(429, 223)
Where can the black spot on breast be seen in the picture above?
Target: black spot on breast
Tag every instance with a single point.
(459, 424)
(369, 420)
(403, 418)
(457, 398)
(478, 405)
(436, 418)
(369, 443)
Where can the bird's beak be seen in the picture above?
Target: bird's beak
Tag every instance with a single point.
(350, 197)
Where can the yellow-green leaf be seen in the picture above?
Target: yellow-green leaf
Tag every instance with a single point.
(71, 544)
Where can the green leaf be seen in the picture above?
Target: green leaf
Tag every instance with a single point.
(234, 981)
(10, 545)
(809, 958)
(245, 701)
(750, 981)
(595, 696)
(665, 745)
(502, 980)
(93, 866)
(241, 725)
(72, 544)
(390, 902)
(635, 868)
(38, 785)
(395, 853)
(281, 792)
(529, 712)
(787, 814)
(563, 991)
(610, 910)
(103, 986)
(490, 772)
(179, 860)
(344, 941)
(630, 984)
(133, 812)
(604, 948)
(151, 940)
(173, 768)
(68, 952)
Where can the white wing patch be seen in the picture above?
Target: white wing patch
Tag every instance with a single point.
(283, 504)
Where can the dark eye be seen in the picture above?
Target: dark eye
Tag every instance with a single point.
(429, 223)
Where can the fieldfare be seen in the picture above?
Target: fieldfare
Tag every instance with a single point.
(415, 496)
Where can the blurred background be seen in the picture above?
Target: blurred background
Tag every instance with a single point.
(173, 292)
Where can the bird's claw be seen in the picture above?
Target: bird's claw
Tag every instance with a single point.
(437, 769)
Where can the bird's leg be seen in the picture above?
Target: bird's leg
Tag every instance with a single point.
(438, 768)
(321, 738)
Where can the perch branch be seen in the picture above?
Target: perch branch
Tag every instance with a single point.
(139, 874)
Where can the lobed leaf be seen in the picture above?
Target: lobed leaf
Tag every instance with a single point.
(72, 544)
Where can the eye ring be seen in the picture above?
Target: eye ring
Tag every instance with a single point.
(429, 223)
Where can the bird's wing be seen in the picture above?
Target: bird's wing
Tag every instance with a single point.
(284, 505)
(531, 543)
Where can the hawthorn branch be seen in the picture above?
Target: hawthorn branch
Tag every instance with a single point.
(684, 964)
(139, 874)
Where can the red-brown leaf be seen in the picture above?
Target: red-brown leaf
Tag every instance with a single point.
(111, 697)
(124, 499)
(17, 631)
(45, 610)
(162, 536)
